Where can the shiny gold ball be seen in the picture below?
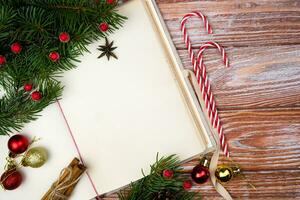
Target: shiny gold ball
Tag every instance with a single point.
(35, 157)
(224, 173)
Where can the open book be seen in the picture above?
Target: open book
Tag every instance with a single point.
(120, 112)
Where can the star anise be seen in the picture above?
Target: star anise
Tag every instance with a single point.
(107, 50)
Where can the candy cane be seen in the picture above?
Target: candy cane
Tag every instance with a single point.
(214, 116)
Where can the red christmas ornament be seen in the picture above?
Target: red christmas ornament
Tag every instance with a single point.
(11, 179)
(54, 56)
(103, 26)
(36, 96)
(28, 87)
(2, 60)
(110, 2)
(16, 48)
(18, 144)
(187, 184)
(200, 174)
(64, 37)
(167, 173)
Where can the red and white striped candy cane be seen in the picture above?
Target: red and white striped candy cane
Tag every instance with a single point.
(214, 116)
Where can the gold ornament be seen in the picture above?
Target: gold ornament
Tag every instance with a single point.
(35, 157)
(225, 173)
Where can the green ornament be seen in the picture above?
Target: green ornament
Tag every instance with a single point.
(35, 157)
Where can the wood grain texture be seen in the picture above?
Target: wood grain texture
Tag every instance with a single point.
(259, 97)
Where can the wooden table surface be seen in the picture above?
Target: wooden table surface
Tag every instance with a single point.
(259, 96)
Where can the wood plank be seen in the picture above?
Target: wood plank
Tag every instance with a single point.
(237, 23)
(265, 77)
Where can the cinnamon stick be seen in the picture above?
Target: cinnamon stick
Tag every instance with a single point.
(78, 171)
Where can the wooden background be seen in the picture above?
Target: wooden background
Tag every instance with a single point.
(259, 96)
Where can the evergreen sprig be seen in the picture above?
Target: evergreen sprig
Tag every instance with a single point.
(36, 25)
(156, 187)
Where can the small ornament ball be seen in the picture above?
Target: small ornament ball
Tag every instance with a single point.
(36, 96)
(103, 26)
(168, 173)
(54, 56)
(11, 179)
(200, 174)
(224, 173)
(16, 48)
(28, 87)
(2, 60)
(18, 144)
(64, 37)
(35, 157)
(187, 185)
(110, 2)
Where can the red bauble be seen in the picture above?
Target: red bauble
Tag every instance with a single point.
(167, 173)
(36, 96)
(18, 144)
(187, 184)
(200, 174)
(2, 60)
(110, 1)
(11, 179)
(103, 27)
(28, 87)
(54, 56)
(16, 48)
(64, 37)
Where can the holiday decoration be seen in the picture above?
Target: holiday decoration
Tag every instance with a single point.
(110, 1)
(156, 187)
(2, 60)
(18, 144)
(203, 81)
(103, 26)
(54, 56)
(28, 87)
(16, 48)
(107, 50)
(35, 157)
(200, 172)
(11, 179)
(64, 37)
(36, 96)
(35, 32)
(225, 173)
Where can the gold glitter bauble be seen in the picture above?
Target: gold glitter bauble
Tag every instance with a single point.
(35, 157)
(224, 173)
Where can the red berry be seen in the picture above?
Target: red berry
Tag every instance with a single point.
(11, 179)
(18, 144)
(110, 1)
(54, 56)
(2, 60)
(36, 96)
(64, 37)
(103, 27)
(28, 87)
(187, 184)
(16, 48)
(167, 173)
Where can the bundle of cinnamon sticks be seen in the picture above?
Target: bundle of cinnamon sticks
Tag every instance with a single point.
(62, 188)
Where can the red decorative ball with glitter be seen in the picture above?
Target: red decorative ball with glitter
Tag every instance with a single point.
(110, 2)
(168, 174)
(200, 174)
(28, 87)
(36, 96)
(11, 179)
(54, 56)
(2, 60)
(103, 27)
(18, 144)
(187, 184)
(16, 48)
(64, 37)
